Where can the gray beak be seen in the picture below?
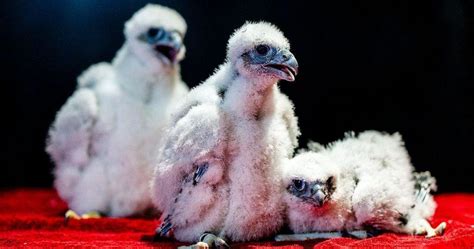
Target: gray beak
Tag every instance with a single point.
(165, 43)
(318, 194)
(285, 64)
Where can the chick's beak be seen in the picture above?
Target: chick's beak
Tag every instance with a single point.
(169, 46)
(318, 195)
(284, 64)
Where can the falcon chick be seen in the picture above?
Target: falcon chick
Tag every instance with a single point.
(102, 137)
(219, 166)
(363, 182)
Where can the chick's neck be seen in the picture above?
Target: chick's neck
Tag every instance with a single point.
(250, 98)
(144, 81)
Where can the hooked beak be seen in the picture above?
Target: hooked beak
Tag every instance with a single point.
(167, 45)
(318, 194)
(284, 65)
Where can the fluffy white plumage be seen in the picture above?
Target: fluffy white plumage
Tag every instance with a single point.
(355, 183)
(221, 162)
(102, 138)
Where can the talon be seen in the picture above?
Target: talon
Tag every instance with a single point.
(165, 229)
(200, 172)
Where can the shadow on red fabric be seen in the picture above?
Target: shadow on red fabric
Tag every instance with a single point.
(34, 218)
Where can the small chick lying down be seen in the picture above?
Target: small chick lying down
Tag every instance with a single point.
(363, 182)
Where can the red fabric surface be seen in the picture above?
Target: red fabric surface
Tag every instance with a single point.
(34, 218)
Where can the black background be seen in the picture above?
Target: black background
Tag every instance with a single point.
(402, 66)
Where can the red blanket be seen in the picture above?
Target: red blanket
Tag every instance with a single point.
(34, 218)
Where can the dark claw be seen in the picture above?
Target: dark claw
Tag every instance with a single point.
(358, 234)
(345, 234)
(373, 232)
(199, 173)
(158, 238)
(164, 229)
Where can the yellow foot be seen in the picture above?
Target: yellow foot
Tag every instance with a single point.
(208, 240)
(70, 214)
(199, 245)
(91, 215)
(438, 231)
(430, 232)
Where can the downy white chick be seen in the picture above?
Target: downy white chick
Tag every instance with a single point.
(363, 182)
(102, 138)
(221, 162)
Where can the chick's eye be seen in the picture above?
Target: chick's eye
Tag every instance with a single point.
(330, 180)
(299, 185)
(154, 32)
(262, 49)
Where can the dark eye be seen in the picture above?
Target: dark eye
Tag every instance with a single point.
(154, 32)
(299, 185)
(262, 49)
(330, 180)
